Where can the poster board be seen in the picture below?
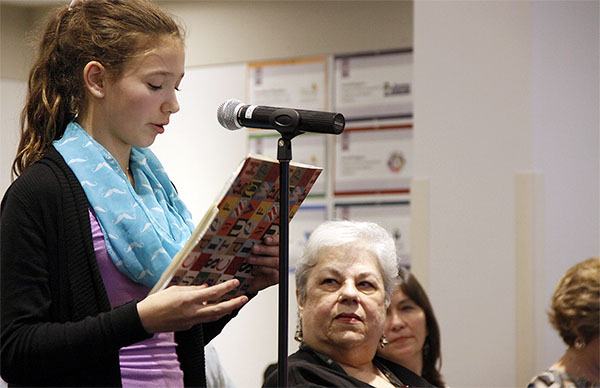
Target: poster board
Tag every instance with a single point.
(374, 86)
(299, 83)
(373, 160)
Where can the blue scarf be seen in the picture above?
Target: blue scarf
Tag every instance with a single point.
(143, 227)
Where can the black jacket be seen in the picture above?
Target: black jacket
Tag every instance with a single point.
(308, 368)
(57, 326)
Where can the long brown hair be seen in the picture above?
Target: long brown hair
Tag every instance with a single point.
(108, 31)
(432, 357)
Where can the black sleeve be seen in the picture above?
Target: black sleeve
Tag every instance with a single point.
(36, 346)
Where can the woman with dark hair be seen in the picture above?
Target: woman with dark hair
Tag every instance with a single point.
(412, 331)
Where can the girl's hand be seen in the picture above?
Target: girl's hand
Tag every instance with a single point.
(265, 259)
(181, 307)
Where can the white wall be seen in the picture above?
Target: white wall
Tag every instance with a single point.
(14, 53)
(472, 108)
(12, 98)
(565, 111)
(234, 31)
(504, 90)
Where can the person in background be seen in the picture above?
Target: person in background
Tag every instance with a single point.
(575, 314)
(344, 282)
(412, 331)
(93, 220)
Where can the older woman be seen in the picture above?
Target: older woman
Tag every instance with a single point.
(575, 314)
(412, 331)
(344, 282)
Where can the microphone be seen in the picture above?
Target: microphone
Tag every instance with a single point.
(233, 115)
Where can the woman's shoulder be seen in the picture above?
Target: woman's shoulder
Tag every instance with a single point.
(555, 378)
(39, 182)
(305, 356)
(548, 378)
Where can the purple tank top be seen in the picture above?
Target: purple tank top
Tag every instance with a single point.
(152, 362)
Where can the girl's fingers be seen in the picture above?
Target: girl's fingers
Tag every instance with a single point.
(214, 311)
(215, 292)
(264, 261)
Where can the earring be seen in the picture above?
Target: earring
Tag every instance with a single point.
(383, 341)
(298, 333)
(579, 343)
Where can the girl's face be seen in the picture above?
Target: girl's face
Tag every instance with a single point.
(405, 330)
(137, 106)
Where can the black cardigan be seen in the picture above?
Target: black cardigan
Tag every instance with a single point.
(57, 326)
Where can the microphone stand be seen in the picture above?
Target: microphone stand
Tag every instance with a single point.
(284, 155)
(288, 130)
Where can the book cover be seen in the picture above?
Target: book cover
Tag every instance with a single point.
(245, 212)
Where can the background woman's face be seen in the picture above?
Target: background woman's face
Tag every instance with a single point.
(405, 330)
(344, 304)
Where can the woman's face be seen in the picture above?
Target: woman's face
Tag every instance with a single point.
(137, 106)
(405, 330)
(344, 303)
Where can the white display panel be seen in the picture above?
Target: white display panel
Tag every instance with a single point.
(393, 216)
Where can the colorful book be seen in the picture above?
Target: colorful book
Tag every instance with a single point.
(245, 212)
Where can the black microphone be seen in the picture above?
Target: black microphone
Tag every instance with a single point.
(233, 115)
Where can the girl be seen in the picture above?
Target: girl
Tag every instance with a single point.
(93, 220)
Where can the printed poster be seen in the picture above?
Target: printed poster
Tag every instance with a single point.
(373, 161)
(299, 83)
(371, 86)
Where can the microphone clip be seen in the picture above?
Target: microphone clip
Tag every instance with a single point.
(286, 121)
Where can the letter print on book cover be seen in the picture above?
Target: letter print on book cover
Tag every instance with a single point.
(144, 227)
(246, 212)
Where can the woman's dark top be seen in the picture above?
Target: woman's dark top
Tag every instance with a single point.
(308, 368)
(57, 326)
